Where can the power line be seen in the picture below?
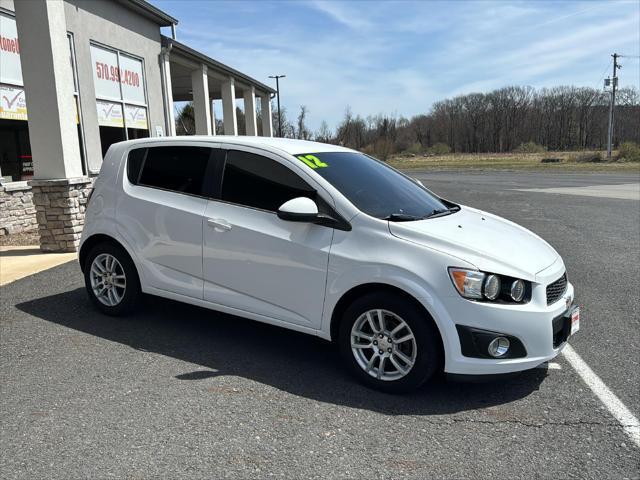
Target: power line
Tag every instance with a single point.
(599, 82)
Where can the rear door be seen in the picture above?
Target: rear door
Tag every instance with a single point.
(254, 261)
(160, 214)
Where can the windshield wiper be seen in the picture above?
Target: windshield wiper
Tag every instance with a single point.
(441, 213)
(401, 217)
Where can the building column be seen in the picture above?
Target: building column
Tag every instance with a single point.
(229, 107)
(48, 83)
(250, 111)
(170, 117)
(212, 104)
(265, 113)
(201, 101)
(59, 188)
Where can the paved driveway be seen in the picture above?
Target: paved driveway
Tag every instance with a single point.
(177, 391)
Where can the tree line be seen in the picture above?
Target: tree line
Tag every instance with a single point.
(558, 118)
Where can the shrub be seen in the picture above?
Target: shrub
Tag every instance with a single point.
(629, 152)
(589, 157)
(414, 148)
(439, 149)
(530, 147)
(382, 148)
(368, 150)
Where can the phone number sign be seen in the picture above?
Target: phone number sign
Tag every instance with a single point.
(117, 82)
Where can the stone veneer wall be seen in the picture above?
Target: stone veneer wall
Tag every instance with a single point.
(17, 212)
(60, 207)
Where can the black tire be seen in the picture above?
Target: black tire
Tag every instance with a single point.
(427, 338)
(131, 297)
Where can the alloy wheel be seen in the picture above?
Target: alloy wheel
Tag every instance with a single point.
(108, 280)
(383, 345)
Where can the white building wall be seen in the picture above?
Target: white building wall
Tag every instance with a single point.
(113, 25)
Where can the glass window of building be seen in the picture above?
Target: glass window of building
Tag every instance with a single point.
(16, 163)
(121, 99)
(15, 153)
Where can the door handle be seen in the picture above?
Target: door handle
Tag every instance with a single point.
(219, 224)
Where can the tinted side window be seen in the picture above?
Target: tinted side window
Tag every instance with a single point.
(134, 164)
(180, 169)
(259, 182)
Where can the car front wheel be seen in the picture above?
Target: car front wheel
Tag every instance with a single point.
(389, 343)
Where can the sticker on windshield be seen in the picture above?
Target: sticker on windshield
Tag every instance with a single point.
(312, 161)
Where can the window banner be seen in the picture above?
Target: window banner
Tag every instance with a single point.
(105, 73)
(10, 69)
(136, 117)
(109, 79)
(12, 103)
(109, 114)
(131, 78)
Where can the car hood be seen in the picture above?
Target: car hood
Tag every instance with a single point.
(491, 243)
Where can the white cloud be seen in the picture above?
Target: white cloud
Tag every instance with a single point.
(342, 13)
(401, 57)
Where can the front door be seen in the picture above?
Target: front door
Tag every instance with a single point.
(254, 261)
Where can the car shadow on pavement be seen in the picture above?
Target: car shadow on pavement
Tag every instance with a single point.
(292, 362)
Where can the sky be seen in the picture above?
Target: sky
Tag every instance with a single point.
(399, 57)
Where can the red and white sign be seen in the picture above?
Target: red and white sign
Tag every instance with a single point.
(10, 69)
(109, 78)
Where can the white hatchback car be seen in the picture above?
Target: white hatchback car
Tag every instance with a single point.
(327, 241)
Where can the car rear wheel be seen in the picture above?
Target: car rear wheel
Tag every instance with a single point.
(111, 279)
(389, 343)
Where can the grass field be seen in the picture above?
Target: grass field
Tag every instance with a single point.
(510, 161)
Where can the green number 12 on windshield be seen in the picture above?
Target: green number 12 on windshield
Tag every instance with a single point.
(312, 161)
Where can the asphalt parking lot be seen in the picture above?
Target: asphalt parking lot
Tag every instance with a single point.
(178, 391)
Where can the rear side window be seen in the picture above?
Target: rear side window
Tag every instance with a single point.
(134, 164)
(176, 168)
(259, 182)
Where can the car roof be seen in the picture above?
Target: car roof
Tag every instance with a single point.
(287, 145)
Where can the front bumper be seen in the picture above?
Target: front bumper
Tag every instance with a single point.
(532, 324)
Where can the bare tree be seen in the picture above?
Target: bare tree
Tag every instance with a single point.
(288, 130)
(302, 132)
(324, 134)
(563, 117)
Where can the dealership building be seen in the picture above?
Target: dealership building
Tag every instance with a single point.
(79, 75)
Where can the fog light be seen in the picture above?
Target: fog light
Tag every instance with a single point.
(499, 347)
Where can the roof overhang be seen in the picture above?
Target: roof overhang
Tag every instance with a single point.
(184, 59)
(149, 11)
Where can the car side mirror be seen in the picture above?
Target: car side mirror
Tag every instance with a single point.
(299, 209)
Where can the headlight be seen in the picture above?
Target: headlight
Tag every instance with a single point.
(518, 289)
(467, 282)
(476, 285)
(492, 287)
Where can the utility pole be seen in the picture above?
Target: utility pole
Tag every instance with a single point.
(614, 84)
(278, 77)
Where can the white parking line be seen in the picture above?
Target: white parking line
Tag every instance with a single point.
(550, 366)
(621, 413)
(628, 191)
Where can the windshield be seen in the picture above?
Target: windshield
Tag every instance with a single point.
(374, 188)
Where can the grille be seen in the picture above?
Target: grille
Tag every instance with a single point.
(556, 289)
